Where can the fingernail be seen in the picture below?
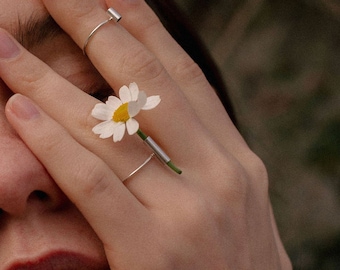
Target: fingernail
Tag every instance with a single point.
(8, 48)
(22, 107)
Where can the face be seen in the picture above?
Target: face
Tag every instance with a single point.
(37, 222)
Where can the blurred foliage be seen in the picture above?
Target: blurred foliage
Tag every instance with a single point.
(324, 152)
(281, 62)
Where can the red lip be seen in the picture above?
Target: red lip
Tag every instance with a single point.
(59, 261)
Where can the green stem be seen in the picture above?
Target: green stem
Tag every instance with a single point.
(174, 168)
(142, 134)
(158, 151)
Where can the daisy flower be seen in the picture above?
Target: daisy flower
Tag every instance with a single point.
(117, 113)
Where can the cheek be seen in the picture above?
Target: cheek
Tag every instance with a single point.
(69, 228)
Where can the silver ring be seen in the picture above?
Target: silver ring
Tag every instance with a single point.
(113, 15)
(140, 167)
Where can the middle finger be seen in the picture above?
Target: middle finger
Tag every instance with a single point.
(121, 59)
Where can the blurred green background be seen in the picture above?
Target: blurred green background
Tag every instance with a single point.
(281, 62)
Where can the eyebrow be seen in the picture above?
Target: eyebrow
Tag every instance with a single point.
(36, 30)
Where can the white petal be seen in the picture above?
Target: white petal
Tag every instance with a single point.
(132, 126)
(151, 102)
(105, 129)
(119, 132)
(133, 108)
(109, 130)
(102, 112)
(124, 94)
(134, 90)
(142, 98)
(113, 102)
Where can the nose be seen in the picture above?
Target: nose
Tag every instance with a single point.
(25, 185)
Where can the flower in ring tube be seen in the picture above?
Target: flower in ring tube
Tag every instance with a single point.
(117, 113)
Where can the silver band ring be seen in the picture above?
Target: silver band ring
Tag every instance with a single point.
(140, 167)
(113, 15)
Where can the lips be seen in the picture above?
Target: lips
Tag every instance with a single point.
(59, 261)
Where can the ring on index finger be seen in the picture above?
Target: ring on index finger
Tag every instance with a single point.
(113, 15)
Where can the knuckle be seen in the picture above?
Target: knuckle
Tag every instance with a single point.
(229, 179)
(33, 80)
(93, 179)
(89, 16)
(234, 179)
(87, 11)
(259, 167)
(257, 171)
(202, 211)
(235, 185)
(141, 64)
(78, 15)
(188, 70)
(197, 209)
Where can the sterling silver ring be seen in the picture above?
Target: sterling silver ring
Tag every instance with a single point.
(114, 15)
(140, 167)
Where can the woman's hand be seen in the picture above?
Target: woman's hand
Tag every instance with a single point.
(216, 215)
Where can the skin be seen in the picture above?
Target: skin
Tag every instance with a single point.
(60, 185)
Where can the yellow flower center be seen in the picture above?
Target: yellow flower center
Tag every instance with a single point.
(121, 114)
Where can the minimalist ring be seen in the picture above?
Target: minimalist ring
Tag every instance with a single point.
(113, 15)
(140, 167)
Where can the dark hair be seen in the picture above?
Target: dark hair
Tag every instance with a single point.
(181, 30)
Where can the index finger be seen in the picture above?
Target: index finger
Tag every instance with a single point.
(85, 179)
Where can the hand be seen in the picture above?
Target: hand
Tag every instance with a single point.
(216, 215)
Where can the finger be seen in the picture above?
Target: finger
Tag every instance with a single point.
(26, 74)
(98, 193)
(129, 60)
(71, 108)
(143, 24)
